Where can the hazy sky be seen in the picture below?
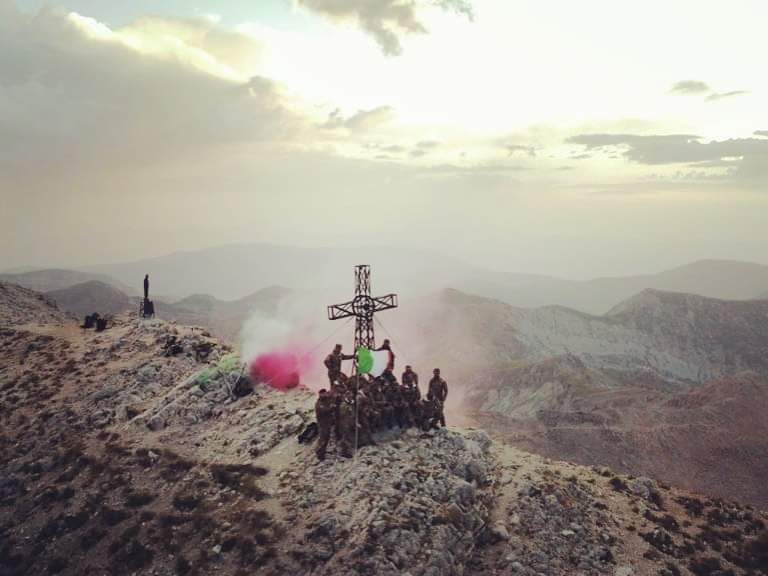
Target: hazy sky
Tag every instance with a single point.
(572, 138)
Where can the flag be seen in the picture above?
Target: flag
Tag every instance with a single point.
(372, 362)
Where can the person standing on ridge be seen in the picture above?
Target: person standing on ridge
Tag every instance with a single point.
(325, 412)
(438, 391)
(146, 287)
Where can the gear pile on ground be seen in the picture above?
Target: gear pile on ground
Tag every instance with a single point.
(117, 457)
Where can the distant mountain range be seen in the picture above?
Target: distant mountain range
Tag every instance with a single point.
(233, 272)
(50, 279)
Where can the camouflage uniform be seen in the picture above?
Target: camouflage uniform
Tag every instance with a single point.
(438, 391)
(378, 405)
(333, 364)
(346, 425)
(325, 412)
(428, 414)
(395, 400)
(364, 437)
(412, 396)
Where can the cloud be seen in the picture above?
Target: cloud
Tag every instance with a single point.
(427, 144)
(65, 80)
(746, 158)
(690, 87)
(696, 87)
(515, 148)
(361, 121)
(386, 20)
(720, 95)
(761, 133)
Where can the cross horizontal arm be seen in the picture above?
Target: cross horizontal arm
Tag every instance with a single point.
(339, 311)
(385, 302)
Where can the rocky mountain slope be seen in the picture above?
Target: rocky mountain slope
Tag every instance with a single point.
(676, 337)
(116, 458)
(669, 385)
(92, 296)
(20, 305)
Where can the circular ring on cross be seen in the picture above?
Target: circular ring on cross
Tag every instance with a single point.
(363, 306)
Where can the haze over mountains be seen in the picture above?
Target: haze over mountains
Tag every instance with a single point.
(235, 271)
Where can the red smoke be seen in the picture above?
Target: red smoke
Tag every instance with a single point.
(281, 370)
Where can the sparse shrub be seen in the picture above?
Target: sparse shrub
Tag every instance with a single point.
(175, 467)
(57, 564)
(133, 558)
(618, 484)
(186, 502)
(183, 566)
(705, 566)
(138, 499)
(92, 536)
(112, 517)
(240, 477)
(666, 521)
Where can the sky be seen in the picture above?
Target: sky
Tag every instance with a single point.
(576, 139)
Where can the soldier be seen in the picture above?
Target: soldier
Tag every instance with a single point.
(386, 346)
(410, 377)
(364, 417)
(411, 395)
(428, 414)
(325, 412)
(146, 287)
(379, 405)
(333, 364)
(346, 424)
(438, 390)
(395, 400)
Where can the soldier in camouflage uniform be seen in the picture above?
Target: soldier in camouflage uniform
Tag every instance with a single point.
(394, 397)
(325, 412)
(382, 406)
(411, 396)
(345, 424)
(364, 408)
(333, 364)
(438, 391)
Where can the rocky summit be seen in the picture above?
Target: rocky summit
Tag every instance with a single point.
(137, 451)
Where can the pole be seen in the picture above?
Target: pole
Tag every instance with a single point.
(357, 381)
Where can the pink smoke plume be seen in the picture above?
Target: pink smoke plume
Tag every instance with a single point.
(281, 369)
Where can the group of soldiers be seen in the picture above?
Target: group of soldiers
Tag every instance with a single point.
(355, 407)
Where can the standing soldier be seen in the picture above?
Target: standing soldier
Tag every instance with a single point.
(410, 377)
(333, 364)
(394, 397)
(325, 412)
(387, 346)
(146, 287)
(411, 395)
(438, 391)
(364, 420)
(346, 423)
(379, 404)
